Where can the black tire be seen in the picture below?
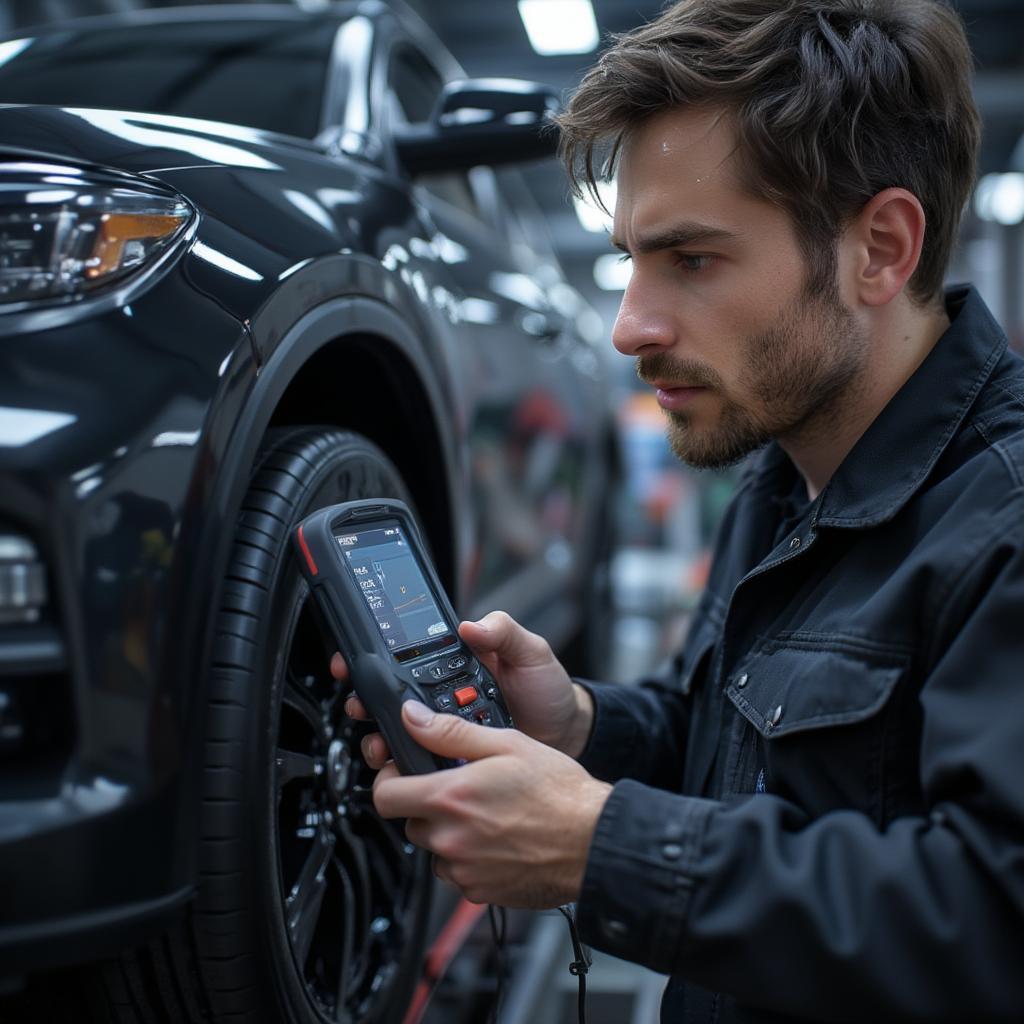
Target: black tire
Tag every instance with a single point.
(310, 908)
(287, 806)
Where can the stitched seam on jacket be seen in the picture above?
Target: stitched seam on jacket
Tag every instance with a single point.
(841, 643)
(959, 582)
(955, 424)
(1018, 396)
(1001, 451)
(847, 716)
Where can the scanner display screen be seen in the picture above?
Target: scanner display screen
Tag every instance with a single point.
(389, 575)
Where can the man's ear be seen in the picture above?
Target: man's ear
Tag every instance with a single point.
(883, 245)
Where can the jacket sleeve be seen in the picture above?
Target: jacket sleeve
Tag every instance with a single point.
(639, 730)
(832, 919)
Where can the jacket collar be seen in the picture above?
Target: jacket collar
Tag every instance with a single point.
(897, 452)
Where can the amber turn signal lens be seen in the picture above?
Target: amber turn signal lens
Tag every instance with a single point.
(117, 229)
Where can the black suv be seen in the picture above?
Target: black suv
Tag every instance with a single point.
(254, 261)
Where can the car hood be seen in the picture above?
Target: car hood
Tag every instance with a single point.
(138, 142)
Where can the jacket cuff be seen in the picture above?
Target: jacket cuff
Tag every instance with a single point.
(640, 874)
(613, 730)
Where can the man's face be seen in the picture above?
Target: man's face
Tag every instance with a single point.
(718, 312)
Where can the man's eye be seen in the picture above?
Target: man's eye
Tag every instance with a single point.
(692, 264)
(624, 258)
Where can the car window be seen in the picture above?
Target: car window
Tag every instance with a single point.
(261, 74)
(522, 217)
(414, 86)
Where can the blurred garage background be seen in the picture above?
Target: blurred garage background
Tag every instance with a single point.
(667, 513)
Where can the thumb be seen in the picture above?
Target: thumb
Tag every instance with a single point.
(452, 736)
(499, 634)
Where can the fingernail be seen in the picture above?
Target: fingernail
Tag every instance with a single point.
(418, 713)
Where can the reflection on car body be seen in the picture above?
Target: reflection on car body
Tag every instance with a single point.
(306, 292)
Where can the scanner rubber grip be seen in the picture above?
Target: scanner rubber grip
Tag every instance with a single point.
(382, 696)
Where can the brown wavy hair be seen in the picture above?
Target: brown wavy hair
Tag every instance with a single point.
(833, 101)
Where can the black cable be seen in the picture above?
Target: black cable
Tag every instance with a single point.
(499, 930)
(581, 964)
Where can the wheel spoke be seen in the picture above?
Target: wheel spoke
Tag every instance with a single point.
(383, 866)
(293, 765)
(307, 895)
(348, 935)
(356, 852)
(297, 698)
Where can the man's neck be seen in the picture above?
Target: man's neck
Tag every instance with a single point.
(899, 341)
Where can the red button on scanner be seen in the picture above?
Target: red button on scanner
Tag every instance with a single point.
(466, 695)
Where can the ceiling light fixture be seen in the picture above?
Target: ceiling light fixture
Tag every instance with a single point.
(560, 26)
(590, 215)
(1000, 198)
(612, 273)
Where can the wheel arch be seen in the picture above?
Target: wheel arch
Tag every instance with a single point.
(400, 408)
(349, 334)
(396, 413)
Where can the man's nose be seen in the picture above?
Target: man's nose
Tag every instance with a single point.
(641, 326)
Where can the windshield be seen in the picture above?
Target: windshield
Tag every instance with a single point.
(261, 74)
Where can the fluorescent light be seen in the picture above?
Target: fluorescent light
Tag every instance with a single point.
(1000, 198)
(19, 427)
(225, 262)
(612, 273)
(10, 49)
(590, 215)
(560, 26)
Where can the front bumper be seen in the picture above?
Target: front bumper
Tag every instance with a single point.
(97, 737)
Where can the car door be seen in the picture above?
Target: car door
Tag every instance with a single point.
(514, 373)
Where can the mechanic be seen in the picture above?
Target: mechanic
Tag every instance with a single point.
(818, 811)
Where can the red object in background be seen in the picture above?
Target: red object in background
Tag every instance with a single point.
(449, 941)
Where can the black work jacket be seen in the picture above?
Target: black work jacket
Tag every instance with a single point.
(818, 813)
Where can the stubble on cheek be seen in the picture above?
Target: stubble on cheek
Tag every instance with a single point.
(722, 433)
(798, 373)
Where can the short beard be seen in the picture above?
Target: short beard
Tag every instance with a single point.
(798, 386)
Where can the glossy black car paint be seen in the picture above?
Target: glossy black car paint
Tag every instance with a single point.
(320, 286)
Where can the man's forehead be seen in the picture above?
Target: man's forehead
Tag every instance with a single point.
(676, 177)
(700, 141)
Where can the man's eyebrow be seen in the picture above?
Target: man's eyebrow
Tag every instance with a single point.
(673, 237)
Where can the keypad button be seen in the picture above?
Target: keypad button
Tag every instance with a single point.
(457, 661)
(466, 695)
(443, 701)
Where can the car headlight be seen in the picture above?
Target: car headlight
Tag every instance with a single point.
(22, 580)
(66, 233)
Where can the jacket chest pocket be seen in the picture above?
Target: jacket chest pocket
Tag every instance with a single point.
(822, 721)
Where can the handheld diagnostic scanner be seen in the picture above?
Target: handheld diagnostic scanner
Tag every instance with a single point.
(380, 599)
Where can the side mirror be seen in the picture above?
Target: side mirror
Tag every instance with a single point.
(482, 121)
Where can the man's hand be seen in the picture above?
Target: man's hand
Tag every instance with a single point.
(512, 826)
(543, 700)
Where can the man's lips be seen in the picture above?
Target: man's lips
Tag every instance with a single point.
(673, 396)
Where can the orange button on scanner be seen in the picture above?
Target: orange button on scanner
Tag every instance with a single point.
(466, 695)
